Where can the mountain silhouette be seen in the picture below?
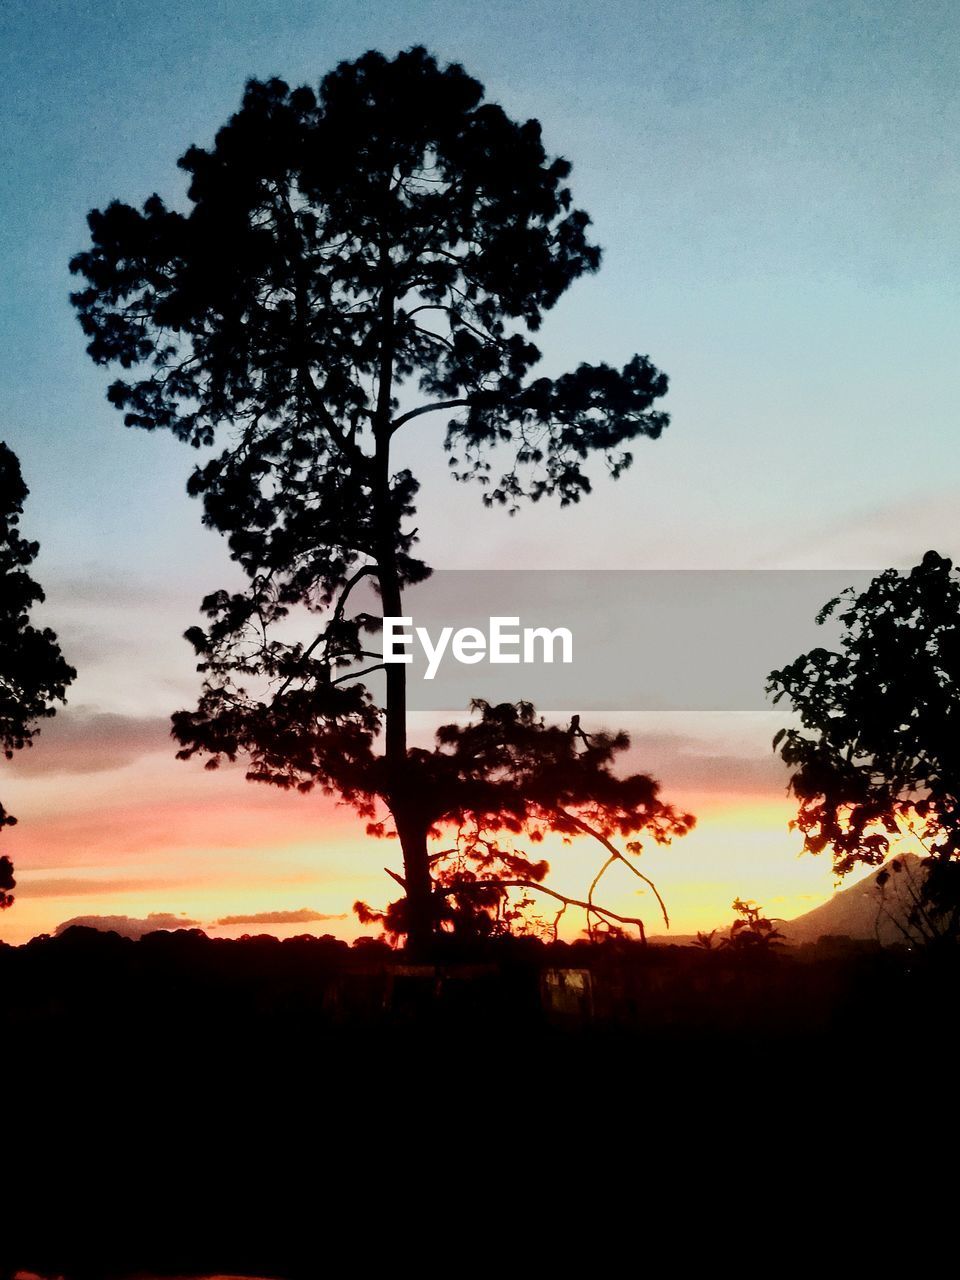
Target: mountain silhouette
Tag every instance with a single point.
(863, 911)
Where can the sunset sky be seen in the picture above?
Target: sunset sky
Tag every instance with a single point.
(777, 194)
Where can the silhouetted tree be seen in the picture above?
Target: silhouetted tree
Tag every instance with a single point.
(7, 881)
(352, 261)
(33, 673)
(877, 753)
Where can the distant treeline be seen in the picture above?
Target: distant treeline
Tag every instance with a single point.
(86, 984)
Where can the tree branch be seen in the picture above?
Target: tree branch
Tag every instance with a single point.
(618, 856)
(470, 886)
(596, 880)
(367, 571)
(355, 675)
(427, 408)
(347, 446)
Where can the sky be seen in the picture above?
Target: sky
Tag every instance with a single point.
(776, 189)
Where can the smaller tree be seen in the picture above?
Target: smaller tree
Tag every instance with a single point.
(7, 882)
(751, 931)
(33, 673)
(877, 753)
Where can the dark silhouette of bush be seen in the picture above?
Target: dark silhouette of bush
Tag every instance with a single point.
(751, 931)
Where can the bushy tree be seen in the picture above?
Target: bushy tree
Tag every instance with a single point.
(351, 261)
(876, 755)
(33, 673)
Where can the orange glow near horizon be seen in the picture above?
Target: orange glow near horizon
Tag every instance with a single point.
(161, 837)
(149, 834)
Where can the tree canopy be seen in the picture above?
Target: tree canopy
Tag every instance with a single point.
(351, 260)
(877, 752)
(33, 673)
(507, 776)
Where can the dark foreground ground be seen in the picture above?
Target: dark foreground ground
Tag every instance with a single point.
(186, 1105)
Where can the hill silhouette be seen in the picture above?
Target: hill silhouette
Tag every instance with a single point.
(862, 911)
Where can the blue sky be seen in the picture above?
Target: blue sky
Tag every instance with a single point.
(775, 186)
(777, 191)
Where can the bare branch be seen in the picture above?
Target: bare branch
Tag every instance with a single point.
(444, 891)
(344, 443)
(367, 571)
(427, 408)
(618, 856)
(596, 880)
(355, 675)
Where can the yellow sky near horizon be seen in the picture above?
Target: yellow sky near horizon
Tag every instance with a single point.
(155, 835)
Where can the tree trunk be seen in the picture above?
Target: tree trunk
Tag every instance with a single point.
(411, 828)
(419, 884)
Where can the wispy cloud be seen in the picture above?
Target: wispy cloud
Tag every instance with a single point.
(84, 740)
(32, 886)
(303, 916)
(690, 763)
(875, 537)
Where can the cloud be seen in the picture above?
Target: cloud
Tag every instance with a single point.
(83, 740)
(108, 587)
(77, 887)
(130, 926)
(875, 537)
(726, 774)
(737, 768)
(303, 916)
(104, 589)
